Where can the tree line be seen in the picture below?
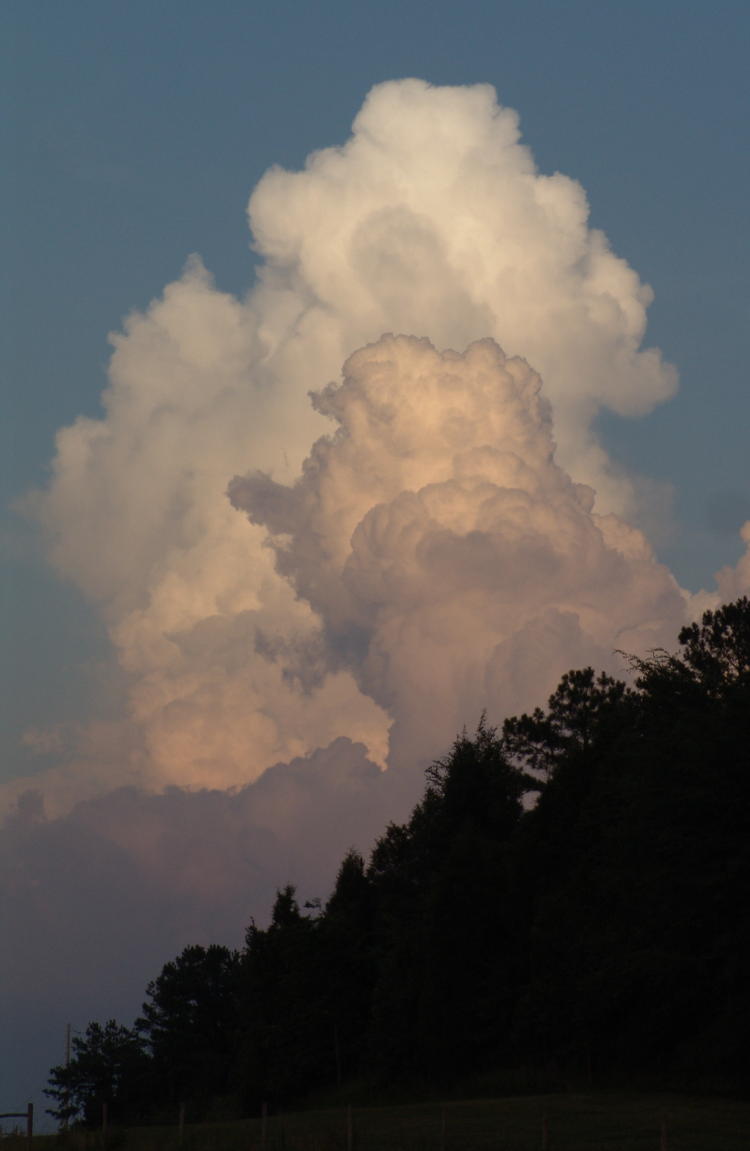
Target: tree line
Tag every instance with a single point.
(569, 898)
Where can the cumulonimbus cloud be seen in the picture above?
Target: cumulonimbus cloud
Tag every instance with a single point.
(451, 541)
(455, 566)
(431, 219)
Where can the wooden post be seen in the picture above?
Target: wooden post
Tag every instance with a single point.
(337, 1054)
(349, 1129)
(263, 1125)
(104, 1124)
(30, 1122)
(443, 1127)
(664, 1141)
(545, 1133)
(181, 1124)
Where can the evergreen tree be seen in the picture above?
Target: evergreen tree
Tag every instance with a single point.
(446, 943)
(286, 1047)
(348, 964)
(605, 930)
(109, 1065)
(191, 1026)
(635, 865)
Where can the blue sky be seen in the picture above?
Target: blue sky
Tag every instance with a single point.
(137, 131)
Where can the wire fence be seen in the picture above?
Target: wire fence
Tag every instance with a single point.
(28, 1117)
(554, 1123)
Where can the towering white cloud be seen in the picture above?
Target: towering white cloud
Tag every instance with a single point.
(138, 517)
(435, 555)
(456, 567)
(432, 219)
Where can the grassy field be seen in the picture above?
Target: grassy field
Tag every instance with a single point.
(596, 1122)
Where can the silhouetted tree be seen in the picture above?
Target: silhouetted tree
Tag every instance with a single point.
(636, 871)
(109, 1065)
(190, 1022)
(604, 930)
(582, 709)
(347, 965)
(446, 941)
(286, 1047)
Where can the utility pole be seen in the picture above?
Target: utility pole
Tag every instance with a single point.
(68, 1030)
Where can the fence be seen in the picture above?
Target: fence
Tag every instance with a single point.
(28, 1115)
(519, 1125)
(524, 1123)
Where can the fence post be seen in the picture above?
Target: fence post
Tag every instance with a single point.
(104, 1124)
(263, 1125)
(443, 1126)
(349, 1129)
(664, 1141)
(181, 1124)
(337, 1054)
(545, 1133)
(30, 1122)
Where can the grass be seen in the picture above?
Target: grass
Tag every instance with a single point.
(575, 1122)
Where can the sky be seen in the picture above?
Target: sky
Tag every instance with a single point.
(366, 367)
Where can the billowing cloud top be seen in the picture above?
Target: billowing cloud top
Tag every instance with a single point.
(431, 219)
(440, 552)
(454, 564)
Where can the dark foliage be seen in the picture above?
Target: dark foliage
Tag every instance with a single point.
(108, 1065)
(190, 1023)
(444, 940)
(283, 1007)
(600, 932)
